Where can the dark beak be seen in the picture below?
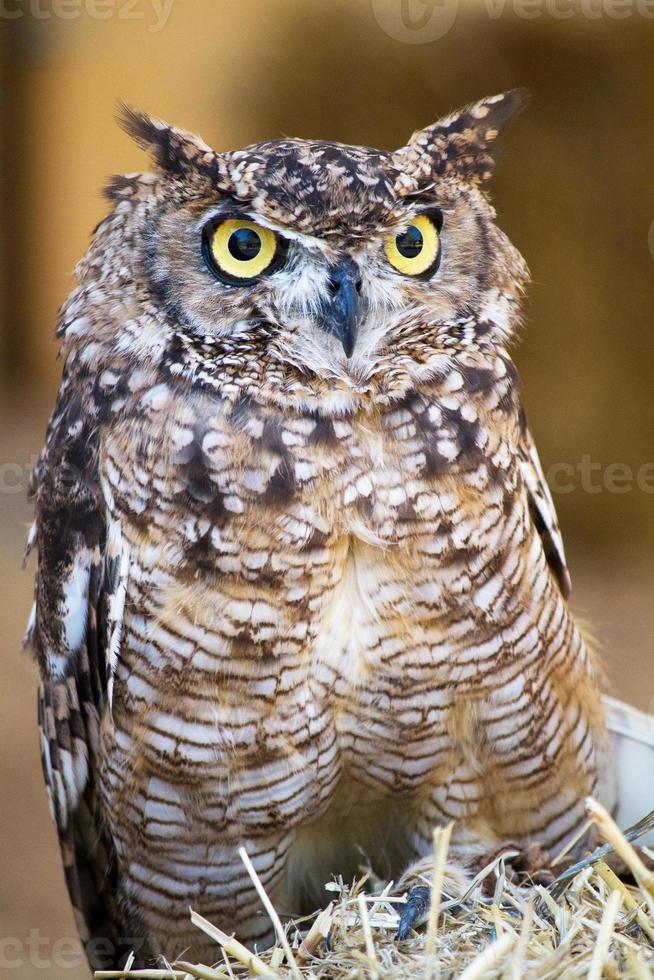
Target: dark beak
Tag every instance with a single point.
(342, 310)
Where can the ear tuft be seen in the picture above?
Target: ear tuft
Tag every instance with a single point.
(458, 145)
(172, 150)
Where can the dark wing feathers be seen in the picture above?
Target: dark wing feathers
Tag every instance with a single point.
(542, 509)
(67, 635)
(69, 725)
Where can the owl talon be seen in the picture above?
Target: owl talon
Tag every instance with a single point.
(414, 912)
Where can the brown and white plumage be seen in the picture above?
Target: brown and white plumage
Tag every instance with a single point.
(289, 598)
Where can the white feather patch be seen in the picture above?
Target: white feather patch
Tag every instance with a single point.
(117, 572)
(74, 614)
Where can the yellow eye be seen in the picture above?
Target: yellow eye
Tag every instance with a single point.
(238, 250)
(416, 250)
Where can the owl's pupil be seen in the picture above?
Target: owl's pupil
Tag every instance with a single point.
(244, 244)
(409, 243)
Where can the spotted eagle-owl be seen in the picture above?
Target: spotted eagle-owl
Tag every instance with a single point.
(300, 581)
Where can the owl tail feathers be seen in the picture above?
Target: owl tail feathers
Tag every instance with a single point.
(459, 146)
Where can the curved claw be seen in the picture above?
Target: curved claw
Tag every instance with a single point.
(414, 911)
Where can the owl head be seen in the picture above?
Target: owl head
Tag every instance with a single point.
(338, 258)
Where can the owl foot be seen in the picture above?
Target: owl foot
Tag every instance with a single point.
(414, 911)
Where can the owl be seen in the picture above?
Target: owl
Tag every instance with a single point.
(300, 582)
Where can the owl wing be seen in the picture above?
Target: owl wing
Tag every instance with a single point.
(542, 508)
(74, 620)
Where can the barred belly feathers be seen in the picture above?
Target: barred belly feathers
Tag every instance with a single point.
(300, 582)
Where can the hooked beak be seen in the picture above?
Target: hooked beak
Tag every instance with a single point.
(342, 312)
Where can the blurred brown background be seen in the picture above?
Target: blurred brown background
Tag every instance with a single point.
(574, 190)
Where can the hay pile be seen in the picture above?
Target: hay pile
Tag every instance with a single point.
(587, 924)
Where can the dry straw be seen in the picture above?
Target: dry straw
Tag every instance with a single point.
(589, 924)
